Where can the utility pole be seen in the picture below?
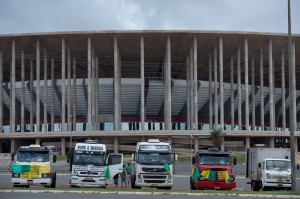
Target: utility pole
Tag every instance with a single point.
(292, 101)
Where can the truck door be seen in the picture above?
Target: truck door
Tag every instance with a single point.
(115, 164)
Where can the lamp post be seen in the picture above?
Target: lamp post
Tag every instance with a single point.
(292, 88)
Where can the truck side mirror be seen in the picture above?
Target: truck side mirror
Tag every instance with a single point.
(12, 156)
(176, 156)
(259, 165)
(54, 158)
(193, 160)
(234, 161)
(132, 157)
(298, 166)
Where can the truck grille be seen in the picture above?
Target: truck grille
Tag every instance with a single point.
(88, 173)
(156, 170)
(154, 179)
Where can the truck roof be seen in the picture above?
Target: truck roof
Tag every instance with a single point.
(213, 151)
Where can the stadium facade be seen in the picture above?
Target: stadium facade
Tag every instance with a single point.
(121, 87)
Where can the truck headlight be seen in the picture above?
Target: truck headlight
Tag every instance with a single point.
(74, 172)
(46, 175)
(15, 175)
(268, 175)
(169, 179)
(139, 178)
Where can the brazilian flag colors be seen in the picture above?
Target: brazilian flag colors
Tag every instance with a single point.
(31, 171)
(211, 175)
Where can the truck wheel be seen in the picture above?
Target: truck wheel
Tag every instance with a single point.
(192, 186)
(255, 188)
(53, 181)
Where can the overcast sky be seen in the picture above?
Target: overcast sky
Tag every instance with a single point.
(24, 16)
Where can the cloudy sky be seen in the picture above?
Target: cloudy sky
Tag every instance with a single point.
(23, 16)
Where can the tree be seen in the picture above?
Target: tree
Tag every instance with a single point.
(217, 137)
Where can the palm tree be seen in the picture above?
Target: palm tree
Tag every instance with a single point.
(217, 137)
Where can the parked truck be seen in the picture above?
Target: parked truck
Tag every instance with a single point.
(153, 165)
(212, 169)
(32, 166)
(268, 168)
(91, 166)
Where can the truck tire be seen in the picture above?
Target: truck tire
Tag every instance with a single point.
(53, 181)
(192, 186)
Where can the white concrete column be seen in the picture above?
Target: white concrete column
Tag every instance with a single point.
(13, 145)
(239, 89)
(246, 86)
(247, 142)
(63, 82)
(271, 86)
(221, 84)
(116, 144)
(13, 88)
(262, 108)
(1, 91)
(216, 109)
(253, 93)
(117, 87)
(210, 94)
(196, 143)
(63, 146)
(191, 84)
(22, 90)
(52, 95)
(283, 109)
(231, 94)
(188, 90)
(74, 94)
(69, 90)
(93, 89)
(293, 106)
(272, 142)
(37, 141)
(142, 85)
(89, 98)
(195, 49)
(167, 100)
(38, 73)
(31, 95)
(45, 92)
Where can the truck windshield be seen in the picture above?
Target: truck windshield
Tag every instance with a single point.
(81, 158)
(221, 159)
(278, 165)
(33, 156)
(153, 158)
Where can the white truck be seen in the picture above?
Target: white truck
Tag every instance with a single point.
(32, 166)
(91, 166)
(268, 168)
(153, 165)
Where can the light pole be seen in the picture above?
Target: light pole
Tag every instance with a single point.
(292, 88)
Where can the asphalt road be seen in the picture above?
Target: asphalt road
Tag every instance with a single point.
(111, 196)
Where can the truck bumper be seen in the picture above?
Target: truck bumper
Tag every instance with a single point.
(77, 181)
(154, 180)
(28, 182)
(276, 184)
(215, 185)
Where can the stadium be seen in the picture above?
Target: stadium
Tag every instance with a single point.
(121, 87)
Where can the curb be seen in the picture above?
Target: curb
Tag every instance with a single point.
(147, 193)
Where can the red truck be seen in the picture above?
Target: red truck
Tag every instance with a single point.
(212, 170)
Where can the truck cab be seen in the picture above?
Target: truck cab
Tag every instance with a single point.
(212, 170)
(91, 166)
(32, 166)
(154, 165)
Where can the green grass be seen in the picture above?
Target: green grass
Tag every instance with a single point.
(241, 157)
(61, 158)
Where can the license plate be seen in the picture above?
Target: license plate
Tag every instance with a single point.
(30, 182)
(88, 178)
